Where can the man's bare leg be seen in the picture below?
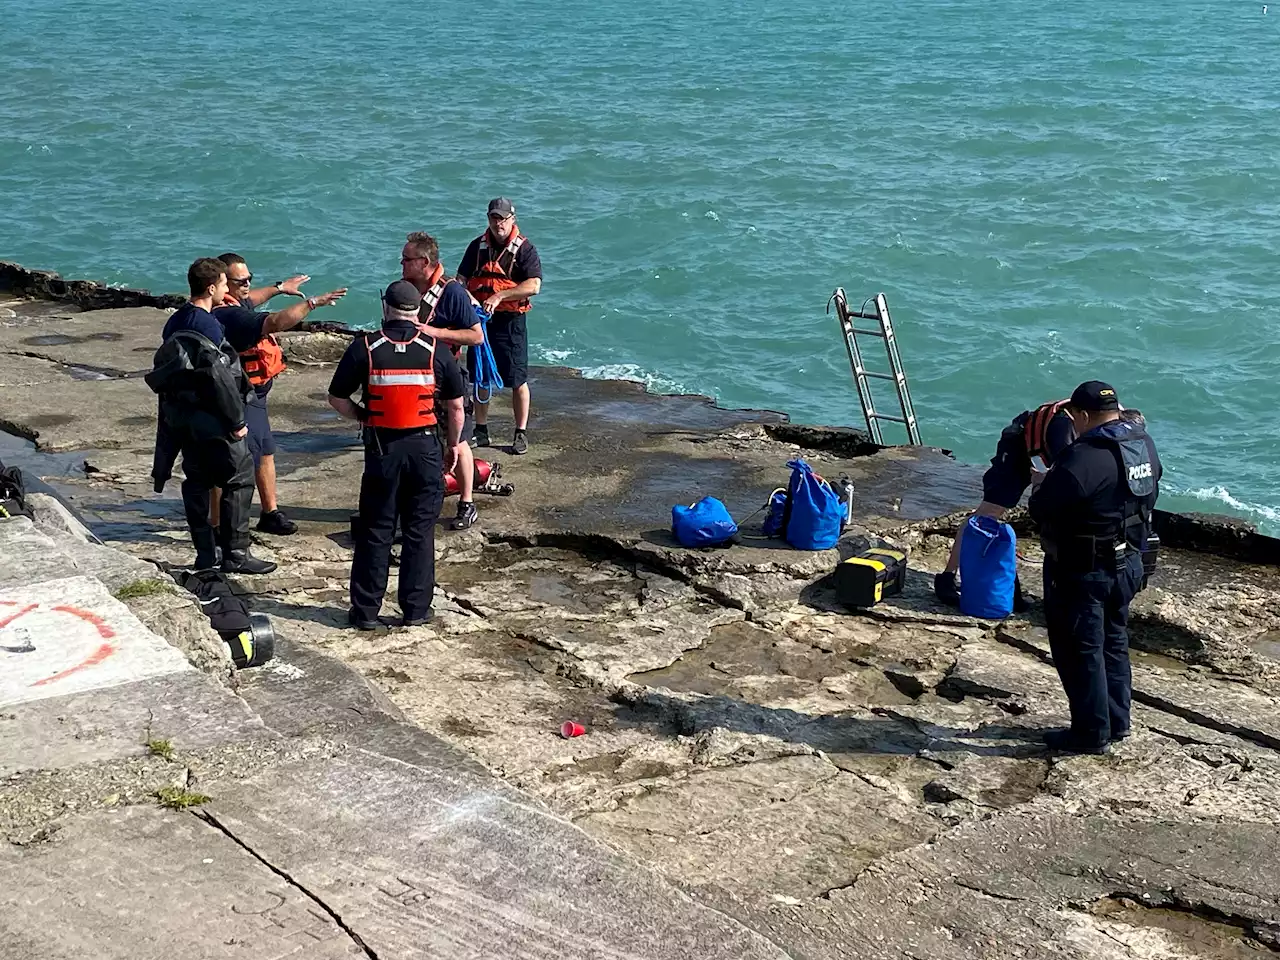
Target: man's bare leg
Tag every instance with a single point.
(519, 406)
(265, 475)
(465, 472)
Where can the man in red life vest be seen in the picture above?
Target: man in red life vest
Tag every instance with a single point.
(252, 333)
(448, 316)
(399, 372)
(502, 270)
(1043, 432)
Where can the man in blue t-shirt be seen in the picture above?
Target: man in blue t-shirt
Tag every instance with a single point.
(251, 333)
(448, 314)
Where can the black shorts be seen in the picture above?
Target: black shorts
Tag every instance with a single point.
(1009, 475)
(468, 411)
(261, 442)
(509, 341)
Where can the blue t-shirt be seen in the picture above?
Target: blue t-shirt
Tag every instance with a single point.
(242, 326)
(453, 309)
(190, 317)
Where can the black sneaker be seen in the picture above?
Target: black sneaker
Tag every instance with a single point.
(944, 588)
(480, 437)
(418, 621)
(1122, 735)
(1068, 741)
(520, 443)
(274, 521)
(467, 516)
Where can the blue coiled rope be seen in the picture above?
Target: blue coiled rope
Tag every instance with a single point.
(484, 376)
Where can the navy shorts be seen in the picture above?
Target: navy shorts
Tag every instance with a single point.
(261, 442)
(509, 341)
(1009, 475)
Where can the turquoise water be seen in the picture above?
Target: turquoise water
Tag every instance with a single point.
(1046, 192)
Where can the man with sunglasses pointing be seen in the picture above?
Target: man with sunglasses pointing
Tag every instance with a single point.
(252, 333)
(502, 270)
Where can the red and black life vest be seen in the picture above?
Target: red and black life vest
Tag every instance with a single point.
(1036, 432)
(493, 271)
(401, 390)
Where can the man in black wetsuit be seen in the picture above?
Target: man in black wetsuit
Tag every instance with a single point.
(1094, 512)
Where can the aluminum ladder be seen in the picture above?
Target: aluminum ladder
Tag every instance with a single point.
(861, 375)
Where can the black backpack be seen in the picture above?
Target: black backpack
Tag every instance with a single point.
(13, 494)
(249, 636)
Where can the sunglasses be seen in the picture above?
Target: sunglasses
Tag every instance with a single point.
(412, 259)
(500, 217)
(240, 283)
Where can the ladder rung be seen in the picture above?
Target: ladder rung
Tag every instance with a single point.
(878, 376)
(886, 416)
(869, 333)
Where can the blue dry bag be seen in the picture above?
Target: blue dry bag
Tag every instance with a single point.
(816, 513)
(988, 568)
(705, 524)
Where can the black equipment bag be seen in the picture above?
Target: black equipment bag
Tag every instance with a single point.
(13, 494)
(249, 636)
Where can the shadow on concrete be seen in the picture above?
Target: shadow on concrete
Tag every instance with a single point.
(889, 733)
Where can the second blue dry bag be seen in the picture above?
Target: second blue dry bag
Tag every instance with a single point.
(816, 513)
(988, 568)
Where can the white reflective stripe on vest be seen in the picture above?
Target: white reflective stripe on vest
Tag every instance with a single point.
(400, 378)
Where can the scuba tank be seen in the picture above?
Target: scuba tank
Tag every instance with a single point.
(485, 479)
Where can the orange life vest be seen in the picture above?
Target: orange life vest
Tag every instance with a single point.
(402, 386)
(493, 272)
(264, 361)
(1037, 429)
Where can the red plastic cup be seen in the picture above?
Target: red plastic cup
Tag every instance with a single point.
(570, 729)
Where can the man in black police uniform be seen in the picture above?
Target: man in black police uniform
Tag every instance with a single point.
(1094, 507)
(202, 390)
(400, 373)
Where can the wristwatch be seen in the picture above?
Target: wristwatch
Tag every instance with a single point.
(311, 303)
(279, 285)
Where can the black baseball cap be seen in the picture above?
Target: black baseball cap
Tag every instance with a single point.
(502, 206)
(402, 295)
(1095, 396)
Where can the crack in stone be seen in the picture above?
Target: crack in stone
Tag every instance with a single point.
(987, 893)
(214, 822)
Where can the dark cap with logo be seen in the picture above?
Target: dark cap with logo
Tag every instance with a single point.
(502, 207)
(1095, 396)
(402, 295)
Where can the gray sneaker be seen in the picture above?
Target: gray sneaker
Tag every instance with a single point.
(480, 436)
(520, 443)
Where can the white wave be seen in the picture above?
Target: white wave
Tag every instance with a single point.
(630, 371)
(712, 215)
(1221, 494)
(555, 356)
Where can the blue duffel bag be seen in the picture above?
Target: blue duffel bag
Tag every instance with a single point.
(704, 524)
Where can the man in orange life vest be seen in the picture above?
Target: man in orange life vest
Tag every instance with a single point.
(502, 270)
(448, 316)
(399, 372)
(1044, 432)
(252, 333)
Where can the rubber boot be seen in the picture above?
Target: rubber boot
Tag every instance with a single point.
(242, 561)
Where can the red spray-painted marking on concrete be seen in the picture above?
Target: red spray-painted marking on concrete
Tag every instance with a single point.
(14, 616)
(103, 630)
(93, 660)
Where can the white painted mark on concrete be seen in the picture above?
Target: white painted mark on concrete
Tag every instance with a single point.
(70, 635)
